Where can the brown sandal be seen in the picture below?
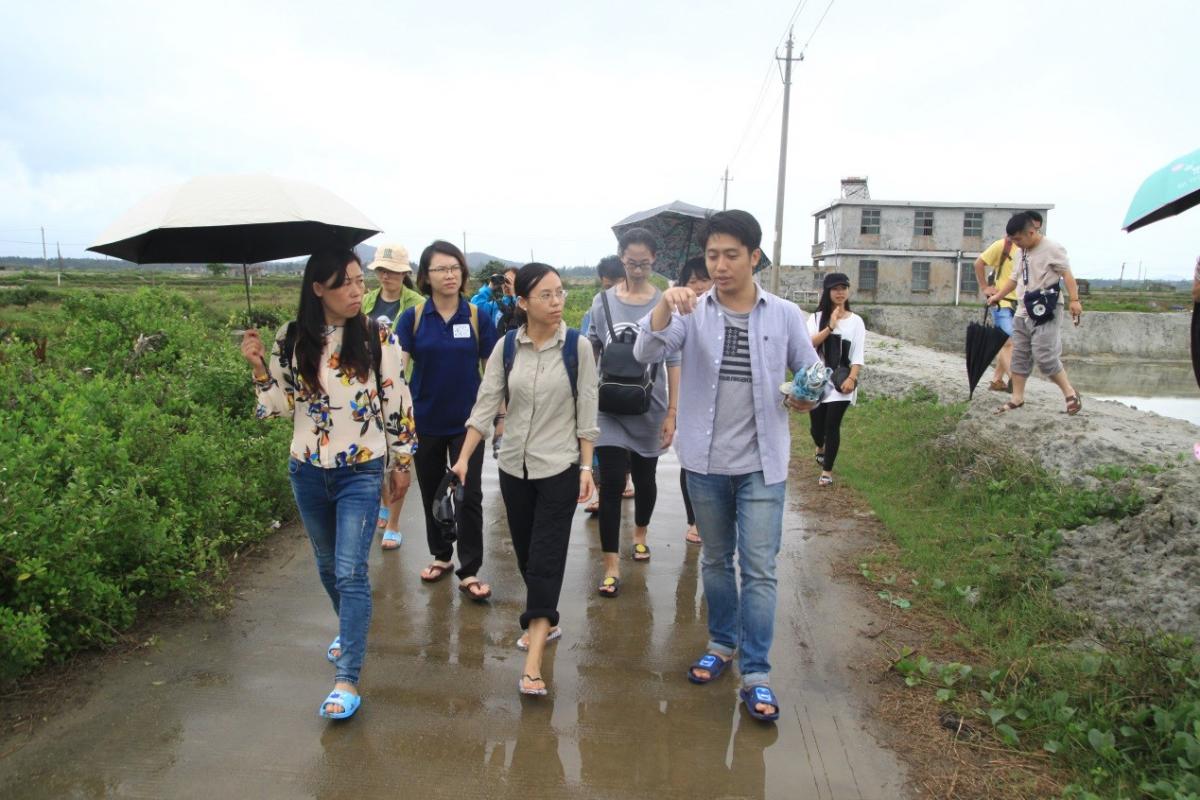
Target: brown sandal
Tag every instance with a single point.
(436, 572)
(1009, 406)
(1074, 404)
(478, 596)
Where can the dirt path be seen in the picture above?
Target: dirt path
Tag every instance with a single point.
(227, 708)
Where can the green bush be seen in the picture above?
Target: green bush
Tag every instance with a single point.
(121, 479)
(24, 296)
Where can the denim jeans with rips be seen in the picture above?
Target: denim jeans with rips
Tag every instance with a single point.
(739, 515)
(339, 506)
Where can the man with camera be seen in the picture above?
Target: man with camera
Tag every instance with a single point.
(1036, 335)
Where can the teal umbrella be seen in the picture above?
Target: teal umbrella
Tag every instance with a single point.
(1174, 188)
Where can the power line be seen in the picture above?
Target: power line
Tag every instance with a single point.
(817, 28)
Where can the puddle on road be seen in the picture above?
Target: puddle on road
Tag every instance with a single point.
(1167, 388)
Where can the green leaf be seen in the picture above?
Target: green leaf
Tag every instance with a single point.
(1051, 746)
(938, 583)
(24, 576)
(1008, 734)
(944, 695)
(1090, 665)
(1102, 742)
(996, 714)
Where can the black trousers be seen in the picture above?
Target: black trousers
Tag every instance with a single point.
(433, 457)
(614, 463)
(539, 518)
(687, 501)
(825, 424)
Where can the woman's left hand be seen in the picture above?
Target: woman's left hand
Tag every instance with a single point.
(586, 485)
(397, 484)
(849, 385)
(668, 430)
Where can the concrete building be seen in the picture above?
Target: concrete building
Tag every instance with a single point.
(903, 251)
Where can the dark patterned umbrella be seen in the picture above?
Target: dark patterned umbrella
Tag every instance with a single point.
(674, 226)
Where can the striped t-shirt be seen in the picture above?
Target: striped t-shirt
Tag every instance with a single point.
(734, 448)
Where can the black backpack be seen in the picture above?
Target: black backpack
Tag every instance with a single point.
(626, 384)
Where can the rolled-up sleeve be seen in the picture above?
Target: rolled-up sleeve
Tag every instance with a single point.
(801, 353)
(587, 394)
(276, 394)
(396, 403)
(653, 346)
(491, 392)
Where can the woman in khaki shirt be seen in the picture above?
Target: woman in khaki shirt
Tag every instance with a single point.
(546, 453)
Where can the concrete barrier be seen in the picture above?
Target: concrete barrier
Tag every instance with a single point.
(1156, 337)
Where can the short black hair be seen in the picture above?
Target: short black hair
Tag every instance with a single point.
(1017, 223)
(739, 224)
(637, 236)
(1036, 216)
(446, 249)
(611, 267)
(694, 267)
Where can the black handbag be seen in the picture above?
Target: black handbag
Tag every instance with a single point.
(835, 352)
(1039, 303)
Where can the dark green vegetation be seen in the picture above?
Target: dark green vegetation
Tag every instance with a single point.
(1118, 709)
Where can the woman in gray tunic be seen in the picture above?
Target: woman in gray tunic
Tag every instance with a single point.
(631, 442)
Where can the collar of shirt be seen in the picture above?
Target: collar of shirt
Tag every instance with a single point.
(431, 308)
(711, 297)
(553, 341)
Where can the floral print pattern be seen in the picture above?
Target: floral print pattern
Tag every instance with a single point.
(351, 423)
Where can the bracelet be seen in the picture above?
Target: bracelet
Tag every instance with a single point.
(261, 378)
(583, 468)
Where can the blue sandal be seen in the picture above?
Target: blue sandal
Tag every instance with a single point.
(711, 662)
(348, 702)
(753, 695)
(336, 644)
(391, 540)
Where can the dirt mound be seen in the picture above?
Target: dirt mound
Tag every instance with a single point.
(1140, 570)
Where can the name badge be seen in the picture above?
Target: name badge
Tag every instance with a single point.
(462, 331)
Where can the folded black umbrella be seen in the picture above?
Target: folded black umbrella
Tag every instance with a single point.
(984, 341)
(1196, 341)
(447, 500)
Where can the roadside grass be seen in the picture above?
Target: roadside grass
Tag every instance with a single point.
(975, 529)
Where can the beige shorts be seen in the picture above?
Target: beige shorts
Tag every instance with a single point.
(1040, 344)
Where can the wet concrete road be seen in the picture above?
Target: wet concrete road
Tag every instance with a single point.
(227, 708)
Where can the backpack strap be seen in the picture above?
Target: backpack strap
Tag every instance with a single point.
(570, 357)
(612, 334)
(418, 311)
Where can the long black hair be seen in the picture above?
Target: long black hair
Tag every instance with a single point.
(528, 277)
(310, 321)
(694, 267)
(825, 307)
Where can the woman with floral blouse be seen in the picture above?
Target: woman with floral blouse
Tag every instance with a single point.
(340, 378)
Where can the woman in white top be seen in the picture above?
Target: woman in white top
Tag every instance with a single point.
(339, 377)
(845, 349)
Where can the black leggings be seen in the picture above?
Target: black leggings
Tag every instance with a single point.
(614, 463)
(687, 501)
(825, 423)
(539, 520)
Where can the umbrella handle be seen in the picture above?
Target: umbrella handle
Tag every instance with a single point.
(246, 282)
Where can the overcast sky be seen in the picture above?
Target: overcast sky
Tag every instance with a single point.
(534, 126)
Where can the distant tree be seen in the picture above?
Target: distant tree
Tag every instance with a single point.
(493, 267)
(218, 270)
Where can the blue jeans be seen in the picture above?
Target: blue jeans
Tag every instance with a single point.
(1002, 316)
(739, 514)
(339, 507)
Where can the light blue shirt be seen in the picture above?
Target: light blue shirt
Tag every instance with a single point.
(779, 341)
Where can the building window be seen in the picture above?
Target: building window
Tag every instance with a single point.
(870, 221)
(923, 223)
(920, 276)
(973, 223)
(968, 284)
(868, 275)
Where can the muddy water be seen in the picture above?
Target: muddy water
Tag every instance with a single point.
(227, 708)
(1166, 388)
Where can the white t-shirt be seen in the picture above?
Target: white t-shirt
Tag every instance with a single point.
(853, 330)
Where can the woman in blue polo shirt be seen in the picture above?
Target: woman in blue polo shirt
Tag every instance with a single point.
(446, 338)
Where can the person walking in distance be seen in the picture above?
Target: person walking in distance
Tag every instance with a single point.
(736, 342)
(840, 335)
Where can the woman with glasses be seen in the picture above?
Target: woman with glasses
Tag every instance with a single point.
(447, 339)
(545, 458)
(631, 442)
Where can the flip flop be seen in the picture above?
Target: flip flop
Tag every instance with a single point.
(391, 540)
(628, 493)
(641, 552)
(542, 692)
(336, 644)
(554, 635)
(687, 537)
(610, 581)
(478, 597)
(384, 514)
(825, 480)
(711, 662)
(348, 702)
(442, 570)
(592, 508)
(753, 695)
(1074, 404)
(1009, 406)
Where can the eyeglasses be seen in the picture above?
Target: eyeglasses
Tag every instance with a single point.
(545, 297)
(442, 270)
(639, 264)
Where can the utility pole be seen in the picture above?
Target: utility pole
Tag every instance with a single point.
(59, 248)
(725, 198)
(783, 141)
(45, 263)
(464, 244)
(1121, 280)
